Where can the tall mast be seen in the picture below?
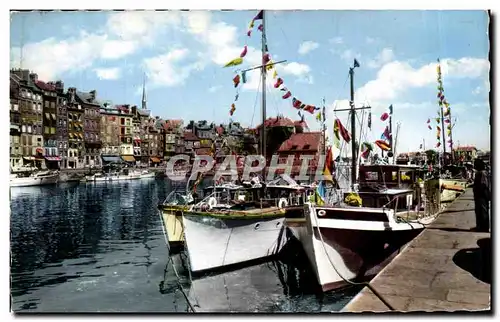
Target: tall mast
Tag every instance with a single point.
(353, 128)
(393, 150)
(323, 126)
(263, 81)
(442, 120)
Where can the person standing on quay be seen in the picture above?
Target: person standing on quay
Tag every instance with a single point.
(482, 196)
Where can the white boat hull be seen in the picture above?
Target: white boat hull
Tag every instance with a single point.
(34, 181)
(345, 253)
(214, 243)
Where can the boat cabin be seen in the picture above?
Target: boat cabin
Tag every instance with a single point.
(388, 176)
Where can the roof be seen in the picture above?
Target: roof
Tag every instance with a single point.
(465, 148)
(86, 98)
(189, 136)
(143, 112)
(308, 141)
(45, 86)
(277, 122)
(172, 124)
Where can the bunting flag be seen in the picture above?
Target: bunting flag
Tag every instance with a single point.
(429, 127)
(236, 80)
(275, 74)
(278, 83)
(387, 134)
(233, 108)
(260, 27)
(438, 144)
(244, 52)
(370, 120)
(287, 95)
(343, 131)
(296, 103)
(384, 116)
(383, 145)
(310, 108)
(447, 121)
(244, 77)
(428, 121)
(265, 59)
(336, 136)
(318, 116)
(367, 149)
(259, 16)
(234, 62)
(329, 165)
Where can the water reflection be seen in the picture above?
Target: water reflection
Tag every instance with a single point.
(100, 248)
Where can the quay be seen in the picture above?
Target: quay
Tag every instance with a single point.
(446, 268)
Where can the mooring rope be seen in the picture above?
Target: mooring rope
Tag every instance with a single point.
(367, 284)
(173, 265)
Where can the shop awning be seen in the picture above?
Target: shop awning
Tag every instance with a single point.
(29, 158)
(111, 158)
(155, 160)
(53, 158)
(128, 158)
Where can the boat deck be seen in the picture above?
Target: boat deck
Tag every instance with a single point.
(440, 270)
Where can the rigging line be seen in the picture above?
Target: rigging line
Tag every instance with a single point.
(255, 103)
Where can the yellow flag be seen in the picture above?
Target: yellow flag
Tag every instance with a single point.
(234, 62)
(269, 67)
(318, 116)
(275, 74)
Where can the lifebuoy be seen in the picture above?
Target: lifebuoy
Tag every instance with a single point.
(321, 213)
(282, 203)
(212, 202)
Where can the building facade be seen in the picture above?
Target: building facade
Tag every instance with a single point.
(76, 145)
(91, 128)
(126, 146)
(62, 125)
(50, 148)
(16, 150)
(110, 134)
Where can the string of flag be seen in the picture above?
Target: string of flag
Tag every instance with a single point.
(445, 106)
(279, 82)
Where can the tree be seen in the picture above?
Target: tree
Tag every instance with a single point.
(432, 156)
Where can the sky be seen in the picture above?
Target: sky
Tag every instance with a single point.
(181, 55)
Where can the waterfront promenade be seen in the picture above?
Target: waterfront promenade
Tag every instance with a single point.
(445, 268)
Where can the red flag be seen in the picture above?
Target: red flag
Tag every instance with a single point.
(244, 52)
(278, 83)
(383, 145)
(430, 127)
(428, 121)
(249, 32)
(265, 59)
(260, 27)
(384, 116)
(296, 103)
(343, 131)
(236, 80)
(310, 108)
(287, 95)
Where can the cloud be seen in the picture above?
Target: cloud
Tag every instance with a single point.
(370, 40)
(385, 56)
(124, 33)
(396, 78)
(294, 68)
(336, 40)
(107, 73)
(214, 89)
(349, 55)
(307, 46)
(166, 69)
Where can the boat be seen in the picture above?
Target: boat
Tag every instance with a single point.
(123, 175)
(237, 225)
(37, 178)
(352, 238)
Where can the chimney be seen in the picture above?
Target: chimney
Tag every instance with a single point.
(92, 95)
(60, 86)
(33, 77)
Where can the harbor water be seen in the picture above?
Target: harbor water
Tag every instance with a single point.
(99, 247)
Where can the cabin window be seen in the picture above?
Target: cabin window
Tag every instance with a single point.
(405, 176)
(371, 176)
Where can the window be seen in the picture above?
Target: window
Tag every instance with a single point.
(39, 107)
(34, 106)
(29, 128)
(52, 130)
(16, 107)
(46, 104)
(23, 128)
(46, 130)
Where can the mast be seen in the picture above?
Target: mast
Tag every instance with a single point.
(263, 81)
(323, 127)
(353, 127)
(393, 150)
(442, 119)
